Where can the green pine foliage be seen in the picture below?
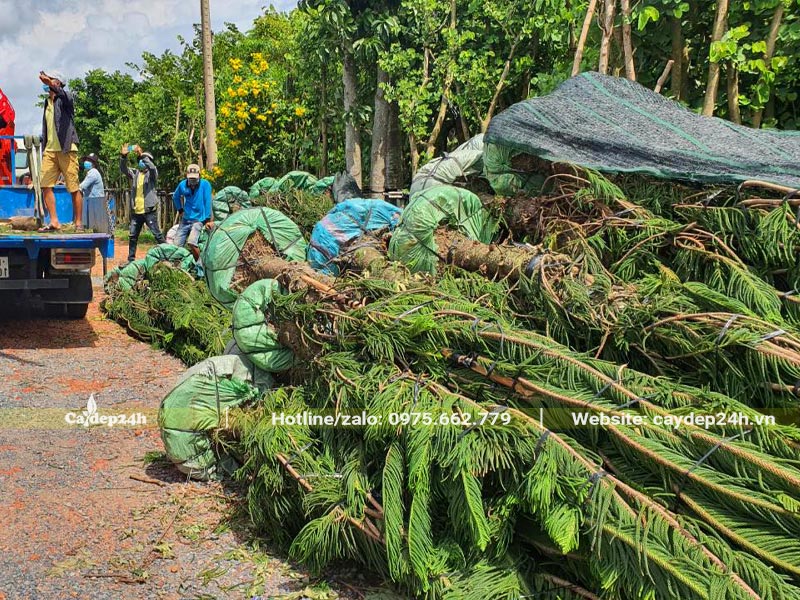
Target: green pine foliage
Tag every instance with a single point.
(171, 310)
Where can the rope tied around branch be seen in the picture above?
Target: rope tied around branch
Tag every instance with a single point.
(699, 462)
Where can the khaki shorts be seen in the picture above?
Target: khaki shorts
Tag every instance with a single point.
(54, 163)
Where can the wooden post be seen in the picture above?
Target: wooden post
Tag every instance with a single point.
(208, 85)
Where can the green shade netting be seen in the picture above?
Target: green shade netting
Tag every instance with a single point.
(254, 336)
(221, 254)
(197, 405)
(413, 241)
(614, 125)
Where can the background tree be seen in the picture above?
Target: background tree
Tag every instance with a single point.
(316, 87)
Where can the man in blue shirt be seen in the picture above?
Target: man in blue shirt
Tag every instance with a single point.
(192, 200)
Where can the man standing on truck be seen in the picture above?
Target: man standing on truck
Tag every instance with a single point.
(192, 201)
(143, 196)
(60, 143)
(6, 146)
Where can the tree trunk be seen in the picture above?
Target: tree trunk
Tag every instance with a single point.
(677, 57)
(494, 261)
(394, 152)
(616, 64)
(414, 152)
(627, 44)
(430, 148)
(501, 83)
(733, 93)
(412, 137)
(587, 22)
(772, 38)
(685, 79)
(323, 123)
(688, 84)
(609, 7)
(380, 138)
(178, 157)
(352, 136)
(664, 74)
(769, 109)
(717, 32)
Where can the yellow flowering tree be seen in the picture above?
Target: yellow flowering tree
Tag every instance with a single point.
(259, 124)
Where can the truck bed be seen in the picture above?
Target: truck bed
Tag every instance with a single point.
(33, 242)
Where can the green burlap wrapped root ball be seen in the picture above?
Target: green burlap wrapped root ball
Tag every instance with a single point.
(124, 278)
(413, 241)
(293, 180)
(229, 200)
(261, 186)
(322, 185)
(197, 405)
(300, 180)
(175, 255)
(232, 255)
(254, 335)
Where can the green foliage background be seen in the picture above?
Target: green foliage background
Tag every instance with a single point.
(295, 60)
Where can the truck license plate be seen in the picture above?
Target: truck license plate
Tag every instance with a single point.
(3, 267)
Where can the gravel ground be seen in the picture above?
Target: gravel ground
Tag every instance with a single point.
(96, 512)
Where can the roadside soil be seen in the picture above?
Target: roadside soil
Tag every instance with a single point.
(97, 512)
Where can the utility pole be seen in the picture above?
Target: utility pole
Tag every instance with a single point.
(208, 86)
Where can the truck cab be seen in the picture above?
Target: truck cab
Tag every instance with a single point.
(53, 267)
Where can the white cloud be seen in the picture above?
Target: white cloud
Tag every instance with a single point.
(74, 36)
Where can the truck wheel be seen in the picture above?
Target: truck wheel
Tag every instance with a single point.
(55, 310)
(76, 311)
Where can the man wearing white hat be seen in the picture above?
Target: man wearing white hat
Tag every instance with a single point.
(60, 143)
(192, 201)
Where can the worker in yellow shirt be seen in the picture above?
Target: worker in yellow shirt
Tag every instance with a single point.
(144, 197)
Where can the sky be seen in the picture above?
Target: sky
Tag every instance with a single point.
(75, 36)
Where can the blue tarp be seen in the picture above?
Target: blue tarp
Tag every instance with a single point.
(346, 221)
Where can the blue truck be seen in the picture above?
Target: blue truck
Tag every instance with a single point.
(55, 268)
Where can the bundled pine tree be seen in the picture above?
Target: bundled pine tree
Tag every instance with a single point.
(608, 494)
(170, 309)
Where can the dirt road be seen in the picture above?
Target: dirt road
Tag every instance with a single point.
(96, 512)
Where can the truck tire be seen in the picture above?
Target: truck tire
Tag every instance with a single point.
(59, 310)
(54, 310)
(76, 311)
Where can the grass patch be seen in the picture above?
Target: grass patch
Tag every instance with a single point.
(145, 237)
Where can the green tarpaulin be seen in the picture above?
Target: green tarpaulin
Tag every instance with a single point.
(197, 405)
